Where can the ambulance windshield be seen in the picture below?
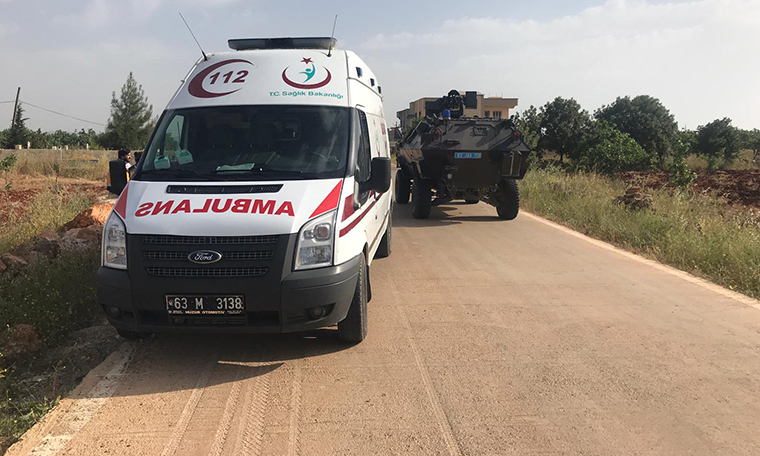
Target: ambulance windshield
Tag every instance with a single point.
(249, 143)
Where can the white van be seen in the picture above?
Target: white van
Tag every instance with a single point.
(260, 201)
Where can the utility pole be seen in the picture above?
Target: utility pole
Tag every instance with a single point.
(15, 106)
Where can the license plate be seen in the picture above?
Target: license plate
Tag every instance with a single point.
(219, 305)
(468, 155)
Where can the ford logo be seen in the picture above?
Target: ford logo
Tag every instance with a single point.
(204, 256)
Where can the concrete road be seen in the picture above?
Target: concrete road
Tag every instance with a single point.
(486, 338)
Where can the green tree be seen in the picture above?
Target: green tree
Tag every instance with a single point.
(130, 123)
(608, 150)
(751, 141)
(529, 124)
(18, 133)
(718, 140)
(686, 142)
(644, 119)
(564, 126)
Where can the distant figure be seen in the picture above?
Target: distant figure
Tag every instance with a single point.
(126, 156)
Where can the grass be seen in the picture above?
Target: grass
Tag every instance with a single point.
(84, 164)
(695, 233)
(47, 211)
(56, 297)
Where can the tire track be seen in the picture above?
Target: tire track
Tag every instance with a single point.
(257, 396)
(295, 413)
(191, 406)
(443, 422)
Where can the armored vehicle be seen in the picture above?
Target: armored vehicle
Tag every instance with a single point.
(452, 157)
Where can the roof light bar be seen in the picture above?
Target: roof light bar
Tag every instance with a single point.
(246, 44)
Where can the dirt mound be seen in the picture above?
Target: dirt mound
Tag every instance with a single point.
(95, 215)
(735, 186)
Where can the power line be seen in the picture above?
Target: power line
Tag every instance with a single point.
(9, 101)
(62, 114)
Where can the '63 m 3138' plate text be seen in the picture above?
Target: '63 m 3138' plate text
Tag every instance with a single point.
(205, 305)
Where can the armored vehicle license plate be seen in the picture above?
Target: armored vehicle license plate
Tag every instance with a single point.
(470, 155)
(205, 305)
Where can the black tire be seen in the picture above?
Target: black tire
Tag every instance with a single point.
(132, 335)
(471, 200)
(509, 200)
(403, 188)
(353, 328)
(384, 250)
(422, 199)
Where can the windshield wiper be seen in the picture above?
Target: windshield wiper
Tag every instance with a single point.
(177, 173)
(261, 170)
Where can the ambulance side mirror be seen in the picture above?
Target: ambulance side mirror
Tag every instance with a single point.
(380, 176)
(117, 177)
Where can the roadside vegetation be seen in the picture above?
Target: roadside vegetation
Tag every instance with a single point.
(697, 233)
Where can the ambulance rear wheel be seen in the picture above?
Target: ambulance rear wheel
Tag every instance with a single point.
(353, 328)
(403, 188)
(422, 199)
(508, 196)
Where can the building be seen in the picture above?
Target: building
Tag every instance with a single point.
(495, 107)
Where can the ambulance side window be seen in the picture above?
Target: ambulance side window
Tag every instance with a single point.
(363, 151)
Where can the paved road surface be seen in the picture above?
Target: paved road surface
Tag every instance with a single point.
(486, 338)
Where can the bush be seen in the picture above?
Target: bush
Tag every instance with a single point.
(679, 173)
(55, 296)
(609, 151)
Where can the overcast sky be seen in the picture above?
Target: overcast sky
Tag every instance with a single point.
(701, 58)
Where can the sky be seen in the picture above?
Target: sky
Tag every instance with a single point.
(700, 58)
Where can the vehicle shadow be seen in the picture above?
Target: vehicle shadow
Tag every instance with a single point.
(170, 362)
(443, 215)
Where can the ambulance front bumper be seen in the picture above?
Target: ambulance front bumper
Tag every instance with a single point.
(299, 301)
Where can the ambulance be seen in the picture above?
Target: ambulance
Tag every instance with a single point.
(260, 201)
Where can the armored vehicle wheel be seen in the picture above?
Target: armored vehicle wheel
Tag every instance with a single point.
(508, 196)
(354, 327)
(403, 188)
(384, 250)
(422, 198)
(471, 200)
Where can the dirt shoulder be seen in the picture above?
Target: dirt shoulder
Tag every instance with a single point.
(735, 186)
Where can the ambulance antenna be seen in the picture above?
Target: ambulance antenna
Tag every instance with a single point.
(332, 36)
(205, 58)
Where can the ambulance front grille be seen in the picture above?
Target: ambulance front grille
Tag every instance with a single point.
(206, 272)
(183, 256)
(208, 240)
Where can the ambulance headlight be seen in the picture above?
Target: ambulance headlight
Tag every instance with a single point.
(114, 243)
(315, 243)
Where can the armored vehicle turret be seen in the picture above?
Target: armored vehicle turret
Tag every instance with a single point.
(452, 157)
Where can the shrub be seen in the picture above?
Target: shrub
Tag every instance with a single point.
(609, 151)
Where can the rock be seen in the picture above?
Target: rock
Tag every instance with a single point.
(37, 247)
(90, 234)
(72, 233)
(634, 199)
(49, 236)
(19, 340)
(96, 215)
(13, 262)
